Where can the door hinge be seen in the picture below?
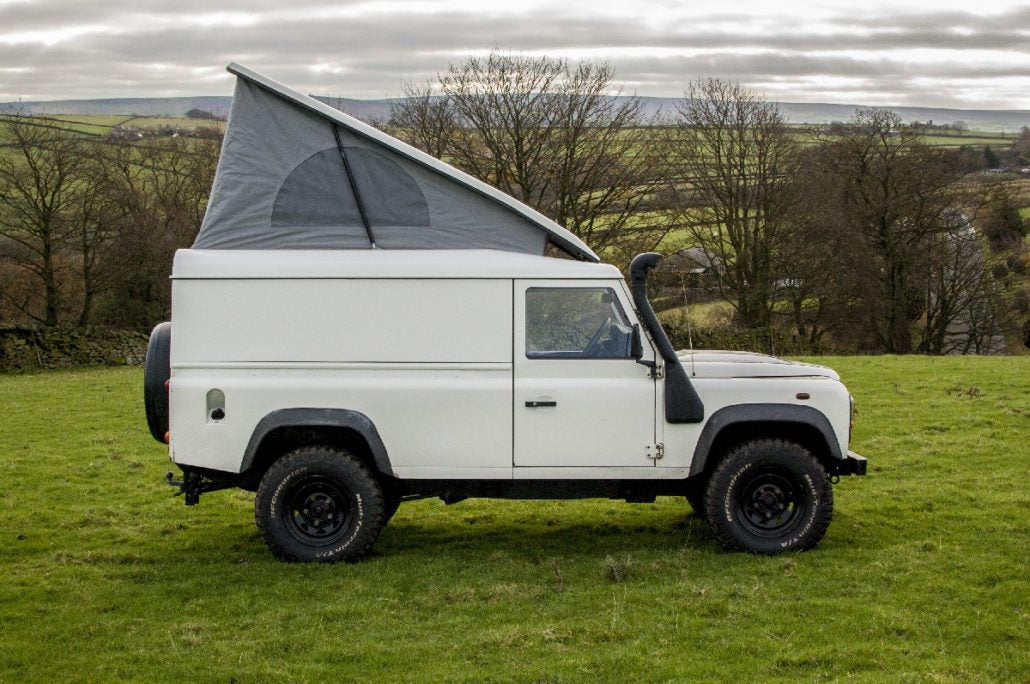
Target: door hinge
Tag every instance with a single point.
(658, 372)
(655, 451)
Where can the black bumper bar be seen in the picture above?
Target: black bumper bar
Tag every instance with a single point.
(853, 464)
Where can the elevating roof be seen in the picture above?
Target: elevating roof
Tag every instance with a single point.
(295, 173)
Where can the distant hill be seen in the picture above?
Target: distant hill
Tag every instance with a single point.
(796, 112)
(379, 110)
(1010, 120)
(140, 106)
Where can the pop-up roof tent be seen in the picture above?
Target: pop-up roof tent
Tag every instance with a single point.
(295, 173)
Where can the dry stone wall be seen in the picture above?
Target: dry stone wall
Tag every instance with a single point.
(26, 349)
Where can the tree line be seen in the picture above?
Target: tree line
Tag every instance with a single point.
(88, 226)
(859, 236)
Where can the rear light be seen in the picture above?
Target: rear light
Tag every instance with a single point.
(851, 416)
(168, 389)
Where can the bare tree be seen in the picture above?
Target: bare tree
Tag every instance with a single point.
(545, 131)
(1020, 150)
(425, 119)
(959, 312)
(91, 225)
(158, 193)
(735, 158)
(95, 218)
(897, 205)
(815, 297)
(40, 183)
(1002, 224)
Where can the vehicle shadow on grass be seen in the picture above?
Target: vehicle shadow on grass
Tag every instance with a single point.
(479, 528)
(594, 533)
(575, 532)
(497, 528)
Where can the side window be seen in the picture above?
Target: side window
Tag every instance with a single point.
(576, 323)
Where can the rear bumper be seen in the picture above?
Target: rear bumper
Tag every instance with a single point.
(853, 464)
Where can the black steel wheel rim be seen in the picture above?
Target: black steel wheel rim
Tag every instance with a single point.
(317, 511)
(771, 502)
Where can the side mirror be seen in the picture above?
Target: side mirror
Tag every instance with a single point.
(636, 347)
(636, 351)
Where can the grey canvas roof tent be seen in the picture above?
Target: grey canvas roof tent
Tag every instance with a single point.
(295, 173)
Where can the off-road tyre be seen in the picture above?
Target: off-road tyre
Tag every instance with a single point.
(769, 496)
(157, 369)
(319, 504)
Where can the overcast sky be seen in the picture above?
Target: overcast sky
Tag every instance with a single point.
(967, 54)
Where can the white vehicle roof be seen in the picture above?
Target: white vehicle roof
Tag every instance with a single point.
(380, 263)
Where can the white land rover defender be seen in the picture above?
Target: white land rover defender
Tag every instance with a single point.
(359, 324)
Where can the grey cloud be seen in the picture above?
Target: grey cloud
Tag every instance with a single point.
(1012, 20)
(451, 29)
(448, 32)
(35, 15)
(776, 64)
(376, 52)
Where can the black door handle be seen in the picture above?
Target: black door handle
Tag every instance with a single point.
(538, 404)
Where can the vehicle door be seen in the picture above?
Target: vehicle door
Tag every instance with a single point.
(580, 398)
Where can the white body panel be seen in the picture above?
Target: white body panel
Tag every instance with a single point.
(423, 412)
(335, 320)
(430, 346)
(826, 395)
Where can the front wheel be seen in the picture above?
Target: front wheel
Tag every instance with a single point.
(319, 504)
(769, 496)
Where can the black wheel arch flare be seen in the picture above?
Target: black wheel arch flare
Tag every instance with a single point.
(782, 416)
(319, 418)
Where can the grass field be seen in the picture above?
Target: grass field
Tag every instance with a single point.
(923, 575)
(99, 125)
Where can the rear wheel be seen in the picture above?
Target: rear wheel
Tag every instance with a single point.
(769, 496)
(319, 504)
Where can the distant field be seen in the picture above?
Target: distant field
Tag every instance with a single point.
(88, 125)
(975, 138)
(99, 125)
(922, 576)
(810, 134)
(175, 122)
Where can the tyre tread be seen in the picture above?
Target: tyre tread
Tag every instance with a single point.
(318, 454)
(750, 450)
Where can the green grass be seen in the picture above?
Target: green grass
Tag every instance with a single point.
(156, 122)
(89, 125)
(100, 125)
(998, 141)
(714, 314)
(922, 576)
(808, 134)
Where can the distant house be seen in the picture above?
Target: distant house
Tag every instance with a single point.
(697, 266)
